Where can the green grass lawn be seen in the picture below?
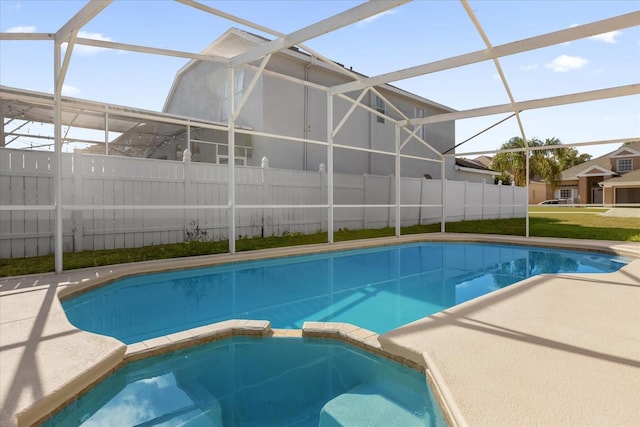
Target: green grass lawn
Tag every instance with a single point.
(582, 223)
(578, 223)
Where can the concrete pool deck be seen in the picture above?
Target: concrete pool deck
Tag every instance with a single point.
(551, 350)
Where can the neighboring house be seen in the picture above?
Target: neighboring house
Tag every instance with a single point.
(623, 189)
(485, 161)
(609, 179)
(539, 191)
(284, 107)
(474, 171)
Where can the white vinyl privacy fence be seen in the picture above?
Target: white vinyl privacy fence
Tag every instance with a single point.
(116, 202)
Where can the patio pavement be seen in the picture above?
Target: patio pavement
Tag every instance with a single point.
(561, 350)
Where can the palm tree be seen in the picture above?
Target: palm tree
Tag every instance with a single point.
(542, 162)
(569, 157)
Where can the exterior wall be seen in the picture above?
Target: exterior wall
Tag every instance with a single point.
(583, 193)
(283, 107)
(539, 192)
(634, 160)
(572, 185)
(608, 196)
(361, 130)
(585, 185)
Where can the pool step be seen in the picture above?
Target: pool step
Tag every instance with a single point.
(369, 405)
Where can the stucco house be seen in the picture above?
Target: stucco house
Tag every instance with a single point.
(539, 190)
(613, 178)
(475, 171)
(285, 107)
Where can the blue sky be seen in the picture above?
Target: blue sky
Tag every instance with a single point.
(415, 33)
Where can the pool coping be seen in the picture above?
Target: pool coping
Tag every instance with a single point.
(338, 331)
(135, 269)
(60, 386)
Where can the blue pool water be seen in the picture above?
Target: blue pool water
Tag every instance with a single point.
(258, 382)
(378, 289)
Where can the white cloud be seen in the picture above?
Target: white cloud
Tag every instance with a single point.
(68, 90)
(370, 19)
(529, 67)
(566, 63)
(22, 29)
(610, 37)
(88, 50)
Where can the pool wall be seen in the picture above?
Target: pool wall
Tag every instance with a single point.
(129, 270)
(63, 361)
(344, 332)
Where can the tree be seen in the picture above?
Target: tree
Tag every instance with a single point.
(542, 162)
(569, 157)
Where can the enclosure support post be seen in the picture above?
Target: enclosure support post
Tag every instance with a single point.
(57, 121)
(398, 181)
(106, 133)
(189, 135)
(526, 197)
(231, 177)
(330, 167)
(443, 198)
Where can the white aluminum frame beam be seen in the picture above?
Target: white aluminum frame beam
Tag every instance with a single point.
(617, 141)
(62, 72)
(349, 112)
(251, 86)
(151, 50)
(512, 100)
(369, 109)
(329, 167)
(73, 104)
(57, 177)
(524, 45)
(414, 137)
(86, 14)
(553, 101)
(272, 32)
(496, 63)
(319, 28)
(27, 36)
(386, 101)
(398, 180)
(66, 34)
(231, 171)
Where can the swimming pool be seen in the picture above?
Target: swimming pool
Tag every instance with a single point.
(258, 382)
(377, 288)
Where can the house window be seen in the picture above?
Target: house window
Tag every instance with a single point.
(380, 108)
(566, 193)
(624, 165)
(238, 93)
(418, 113)
(239, 161)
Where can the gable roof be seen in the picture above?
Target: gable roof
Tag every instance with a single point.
(235, 41)
(484, 160)
(468, 165)
(596, 170)
(628, 179)
(602, 163)
(626, 151)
